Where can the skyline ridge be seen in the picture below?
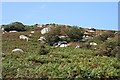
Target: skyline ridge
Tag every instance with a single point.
(88, 27)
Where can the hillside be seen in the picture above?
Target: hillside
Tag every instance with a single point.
(81, 59)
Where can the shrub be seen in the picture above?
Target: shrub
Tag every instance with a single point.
(52, 37)
(104, 50)
(86, 45)
(17, 26)
(105, 35)
(75, 33)
(116, 52)
(43, 50)
(109, 49)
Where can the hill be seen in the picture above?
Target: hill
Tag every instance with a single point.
(83, 62)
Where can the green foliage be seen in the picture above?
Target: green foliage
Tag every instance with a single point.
(29, 28)
(116, 52)
(43, 50)
(69, 63)
(76, 63)
(104, 50)
(74, 33)
(96, 40)
(52, 37)
(105, 35)
(110, 47)
(86, 45)
(17, 26)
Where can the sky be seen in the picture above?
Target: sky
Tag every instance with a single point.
(99, 15)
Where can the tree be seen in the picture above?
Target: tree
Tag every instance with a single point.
(74, 33)
(15, 26)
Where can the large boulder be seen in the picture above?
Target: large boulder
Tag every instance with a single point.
(45, 30)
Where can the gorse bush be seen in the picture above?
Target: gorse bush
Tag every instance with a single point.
(105, 35)
(104, 50)
(86, 45)
(17, 26)
(110, 47)
(116, 52)
(75, 33)
(51, 38)
(42, 50)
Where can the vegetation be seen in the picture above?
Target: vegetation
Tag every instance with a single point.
(63, 64)
(42, 49)
(17, 26)
(110, 47)
(74, 33)
(45, 61)
(68, 63)
(106, 35)
(52, 37)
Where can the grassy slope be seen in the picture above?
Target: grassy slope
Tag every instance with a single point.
(59, 63)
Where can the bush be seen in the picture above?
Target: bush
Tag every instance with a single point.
(52, 37)
(116, 52)
(17, 26)
(43, 50)
(104, 50)
(109, 49)
(75, 33)
(30, 28)
(105, 35)
(86, 45)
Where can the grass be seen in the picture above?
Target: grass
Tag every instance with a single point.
(58, 63)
